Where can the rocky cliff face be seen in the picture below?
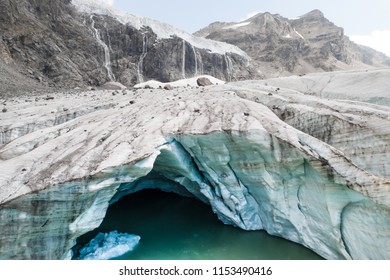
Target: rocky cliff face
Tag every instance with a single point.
(282, 46)
(293, 164)
(64, 43)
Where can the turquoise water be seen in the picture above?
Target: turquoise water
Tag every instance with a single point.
(174, 228)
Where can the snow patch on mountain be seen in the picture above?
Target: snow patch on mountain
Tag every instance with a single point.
(238, 25)
(163, 30)
(299, 34)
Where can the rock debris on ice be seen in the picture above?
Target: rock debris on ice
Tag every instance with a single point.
(277, 155)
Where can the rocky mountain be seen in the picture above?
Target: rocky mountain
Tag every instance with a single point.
(64, 43)
(76, 43)
(282, 46)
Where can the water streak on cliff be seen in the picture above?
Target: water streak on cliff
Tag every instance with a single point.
(107, 58)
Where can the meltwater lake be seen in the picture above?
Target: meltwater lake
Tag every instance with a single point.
(172, 227)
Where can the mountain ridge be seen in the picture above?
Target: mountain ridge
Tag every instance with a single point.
(282, 46)
(60, 45)
(75, 43)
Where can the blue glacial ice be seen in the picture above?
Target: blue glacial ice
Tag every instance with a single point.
(106, 246)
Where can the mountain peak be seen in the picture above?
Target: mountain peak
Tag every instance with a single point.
(314, 14)
(262, 16)
(281, 46)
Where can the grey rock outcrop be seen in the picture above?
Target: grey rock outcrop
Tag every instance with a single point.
(168, 87)
(281, 46)
(56, 44)
(203, 82)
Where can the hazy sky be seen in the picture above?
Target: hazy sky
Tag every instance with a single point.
(365, 21)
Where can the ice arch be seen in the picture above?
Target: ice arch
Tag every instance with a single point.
(250, 179)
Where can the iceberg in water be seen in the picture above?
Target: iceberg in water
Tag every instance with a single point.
(106, 246)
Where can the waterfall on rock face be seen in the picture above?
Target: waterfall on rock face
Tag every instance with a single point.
(183, 67)
(107, 59)
(195, 60)
(229, 68)
(142, 57)
(108, 36)
(198, 62)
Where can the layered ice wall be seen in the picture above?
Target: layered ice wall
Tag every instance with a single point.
(224, 145)
(247, 183)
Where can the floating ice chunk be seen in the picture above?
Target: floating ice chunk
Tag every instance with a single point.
(106, 246)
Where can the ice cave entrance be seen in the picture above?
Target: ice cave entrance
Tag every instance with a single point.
(175, 227)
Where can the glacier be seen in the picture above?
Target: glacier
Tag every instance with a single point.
(263, 157)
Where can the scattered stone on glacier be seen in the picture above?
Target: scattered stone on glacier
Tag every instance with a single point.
(203, 82)
(370, 86)
(300, 181)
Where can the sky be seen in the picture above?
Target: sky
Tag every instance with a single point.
(364, 21)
